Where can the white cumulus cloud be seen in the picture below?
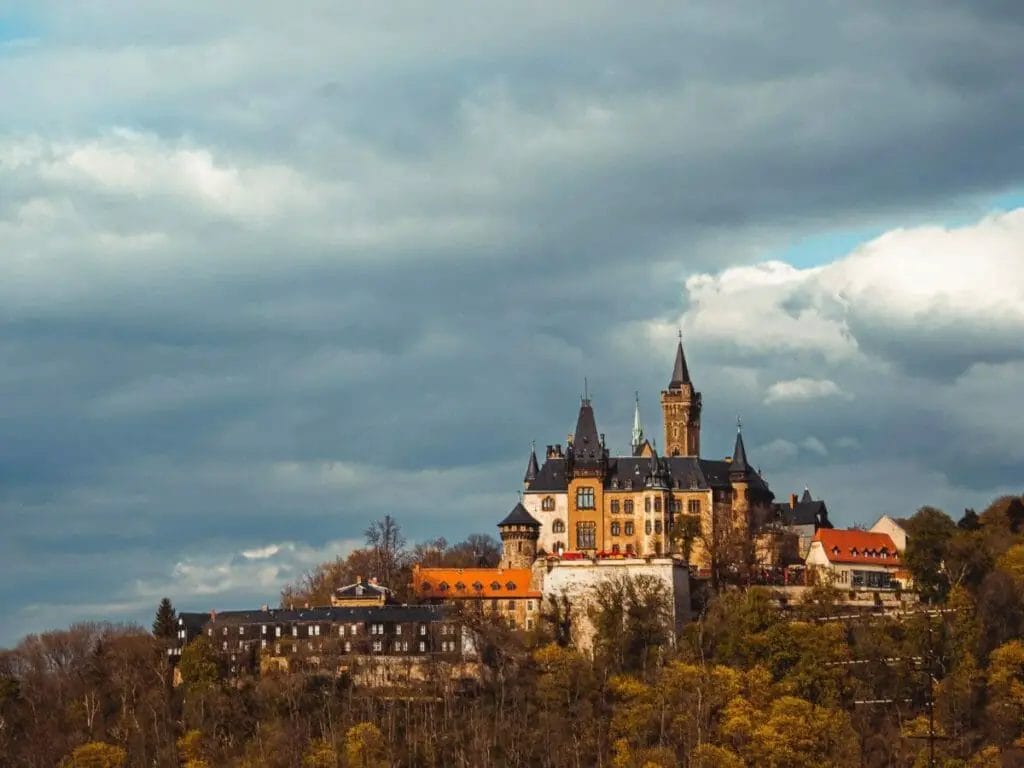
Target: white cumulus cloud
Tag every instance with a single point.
(801, 389)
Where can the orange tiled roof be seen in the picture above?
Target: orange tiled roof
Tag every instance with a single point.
(463, 583)
(842, 546)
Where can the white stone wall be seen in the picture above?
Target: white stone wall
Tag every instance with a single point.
(533, 503)
(577, 579)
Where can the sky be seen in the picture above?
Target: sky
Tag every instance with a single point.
(269, 272)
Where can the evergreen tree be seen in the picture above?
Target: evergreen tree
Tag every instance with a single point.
(165, 623)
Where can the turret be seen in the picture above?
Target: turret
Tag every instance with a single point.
(681, 406)
(519, 532)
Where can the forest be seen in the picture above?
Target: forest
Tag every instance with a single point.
(746, 684)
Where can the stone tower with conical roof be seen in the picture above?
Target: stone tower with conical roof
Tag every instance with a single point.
(519, 532)
(680, 407)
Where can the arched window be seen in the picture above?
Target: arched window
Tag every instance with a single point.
(629, 529)
(647, 504)
(628, 506)
(548, 504)
(615, 507)
(616, 529)
(558, 526)
(495, 586)
(647, 527)
(657, 505)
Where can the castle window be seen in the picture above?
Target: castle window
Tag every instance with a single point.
(657, 505)
(478, 586)
(616, 529)
(615, 507)
(585, 498)
(510, 586)
(628, 506)
(647, 527)
(657, 526)
(693, 506)
(647, 504)
(629, 529)
(548, 504)
(629, 549)
(615, 549)
(586, 535)
(443, 586)
(677, 506)
(558, 526)
(460, 587)
(511, 605)
(495, 586)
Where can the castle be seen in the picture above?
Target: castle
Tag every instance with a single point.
(587, 501)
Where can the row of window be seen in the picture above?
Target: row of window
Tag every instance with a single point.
(313, 630)
(617, 528)
(585, 500)
(510, 586)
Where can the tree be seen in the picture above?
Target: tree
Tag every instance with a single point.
(200, 665)
(387, 544)
(165, 624)
(928, 534)
(631, 618)
(96, 754)
(320, 754)
(365, 747)
(1006, 691)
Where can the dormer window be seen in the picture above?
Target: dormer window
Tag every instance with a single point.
(835, 551)
(854, 551)
(443, 586)
(510, 586)
(459, 586)
(495, 586)
(478, 586)
(425, 586)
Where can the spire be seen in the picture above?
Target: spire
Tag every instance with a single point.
(587, 448)
(807, 495)
(531, 466)
(680, 373)
(638, 430)
(739, 452)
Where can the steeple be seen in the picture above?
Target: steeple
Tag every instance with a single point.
(587, 451)
(638, 430)
(680, 373)
(531, 466)
(739, 464)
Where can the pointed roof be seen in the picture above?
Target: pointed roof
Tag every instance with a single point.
(807, 495)
(532, 470)
(739, 455)
(638, 430)
(680, 373)
(586, 442)
(519, 516)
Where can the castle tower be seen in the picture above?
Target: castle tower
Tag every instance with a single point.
(519, 532)
(680, 407)
(739, 479)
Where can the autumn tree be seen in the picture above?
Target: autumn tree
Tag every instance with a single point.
(928, 535)
(365, 747)
(96, 754)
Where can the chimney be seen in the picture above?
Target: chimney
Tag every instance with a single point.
(213, 615)
(792, 501)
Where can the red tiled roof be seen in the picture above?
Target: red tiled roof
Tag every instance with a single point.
(469, 583)
(843, 546)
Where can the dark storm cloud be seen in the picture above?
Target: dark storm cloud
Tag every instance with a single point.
(272, 273)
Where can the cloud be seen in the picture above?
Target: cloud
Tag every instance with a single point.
(802, 389)
(255, 294)
(931, 300)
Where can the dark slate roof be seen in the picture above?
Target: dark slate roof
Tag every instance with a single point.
(519, 516)
(807, 495)
(739, 456)
(804, 513)
(631, 473)
(381, 613)
(531, 468)
(551, 477)
(587, 450)
(680, 372)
